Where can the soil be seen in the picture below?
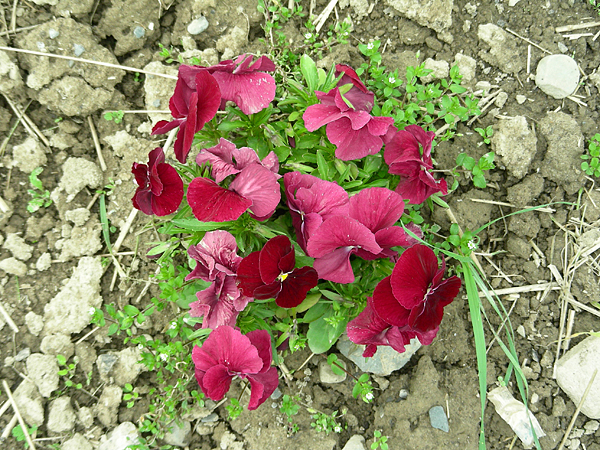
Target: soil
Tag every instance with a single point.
(55, 253)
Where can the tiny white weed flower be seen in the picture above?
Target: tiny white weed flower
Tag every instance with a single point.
(163, 356)
(392, 80)
(472, 244)
(140, 347)
(307, 35)
(338, 429)
(92, 311)
(370, 46)
(173, 325)
(369, 396)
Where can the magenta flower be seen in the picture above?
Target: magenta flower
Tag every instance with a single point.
(226, 159)
(217, 262)
(381, 220)
(270, 273)
(311, 201)
(246, 83)
(255, 189)
(408, 153)
(372, 331)
(334, 242)
(160, 188)
(228, 353)
(415, 294)
(195, 101)
(349, 125)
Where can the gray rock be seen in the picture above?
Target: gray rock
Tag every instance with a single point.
(78, 216)
(562, 162)
(13, 266)
(197, 26)
(385, 361)
(276, 395)
(466, 67)
(72, 96)
(105, 364)
(356, 442)
(120, 438)
(43, 370)
(503, 52)
(85, 417)
(34, 322)
(326, 374)
(78, 49)
(437, 15)
(42, 71)
(10, 77)
(23, 354)
(515, 143)
(440, 69)
(108, 405)
(44, 262)
(155, 88)
(557, 75)
(79, 173)
(53, 34)
(179, 434)
(123, 367)
(29, 155)
(438, 418)
(30, 402)
(77, 442)
(61, 416)
(139, 32)
(574, 371)
(58, 344)
(68, 312)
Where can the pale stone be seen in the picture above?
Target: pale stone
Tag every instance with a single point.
(557, 75)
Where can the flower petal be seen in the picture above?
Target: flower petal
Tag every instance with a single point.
(386, 305)
(271, 255)
(262, 341)
(390, 207)
(220, 158)
(258, 185)
(412, 275)
(430, 315)
(232, 349)
(262, 386)
(352, 144)
(341, 231)
(318, 115)
(252, 92)
(172, 191)
(335, 266)
(295, 287)
(216, 382)
(215, 303)
(212, 203)
(248, 274)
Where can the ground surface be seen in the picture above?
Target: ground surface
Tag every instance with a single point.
(49, 304)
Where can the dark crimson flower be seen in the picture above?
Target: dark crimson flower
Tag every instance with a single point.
(228, 353)
(408, 153)
(372, 331)
(255, 189)
(245, 82)
(270, 273)
(217, 262)
(334, 242)
(160, 188)
(349, 125)
(226, 159)
(195, 101)
(415, 294)
(311, 201)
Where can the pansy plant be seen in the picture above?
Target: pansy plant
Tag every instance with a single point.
(320, 185)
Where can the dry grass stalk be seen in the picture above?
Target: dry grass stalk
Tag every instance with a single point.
(324, 15)
(97, 144)
(18, 414)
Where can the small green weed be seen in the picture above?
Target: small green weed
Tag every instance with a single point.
(130, 395)
(116, 116)
(234, 409)
(486, 133)
(477, 169)
(325, 423)
(166, 53)
(591, 163)
(67, 371)
(19, 435)
(596, 5)
(290, 408)
(379, 441)
(41, 196)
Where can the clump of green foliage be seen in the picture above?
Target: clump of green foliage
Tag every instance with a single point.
(41, 196)
(591, 163)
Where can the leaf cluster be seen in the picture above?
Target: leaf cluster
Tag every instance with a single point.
(41, 196)
(591, 163)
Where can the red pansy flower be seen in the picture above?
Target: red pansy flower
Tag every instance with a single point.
(311, 201)
(349, 125)
(415, 294)
(160, 188)
(245, 82)
(255, 188)
(217, 262)
(270, 273)
(408, 153)
(195, 101)
(228, 353)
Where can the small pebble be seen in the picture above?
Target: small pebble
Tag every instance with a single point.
(438, 419)
(501, 99)
(403, 394)
(151, 26)
(520, 100)
(210, 418)
(276, 394)
(23, 354)
(78, 49)
(41, 46)
(139, 32)
(197, 26)
(591, 426)
(563, 48)
(156, 103)
(53, 33)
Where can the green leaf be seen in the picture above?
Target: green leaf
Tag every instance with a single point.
(61, 360)
(322, 335)
(105, 225)
(131, 310)
(314, 313)
(196, 225)
(114, 327)
(227, 125)
(322, 165)
(308, 302)
(309, 72)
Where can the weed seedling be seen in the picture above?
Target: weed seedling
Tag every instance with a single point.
(477, 168)
(379, 441)
(290, 408)
(326, 423)
(41, 196)
(591, 163)
(19, 434)
(117, 116)
(486, 134)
